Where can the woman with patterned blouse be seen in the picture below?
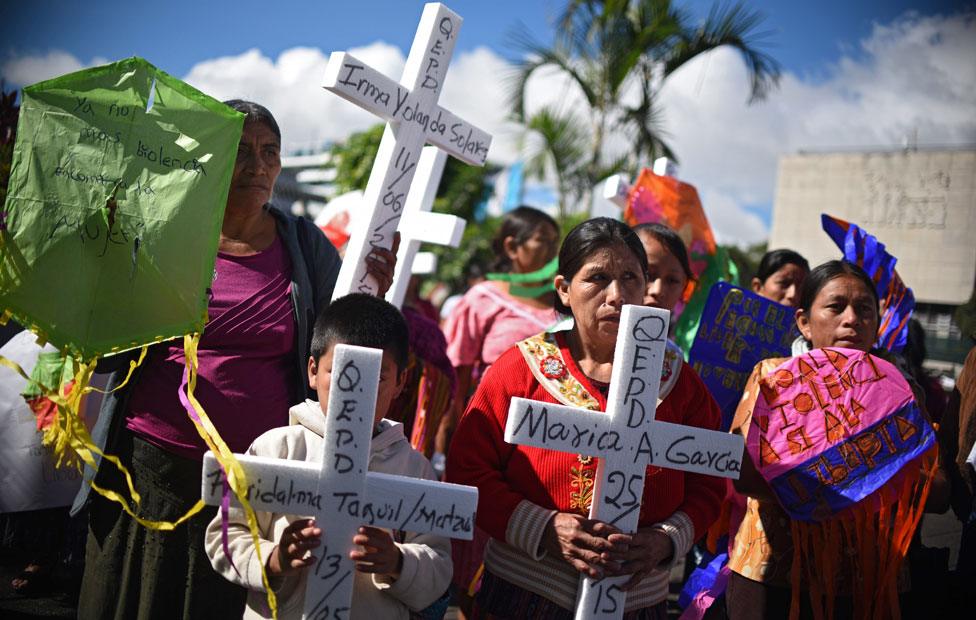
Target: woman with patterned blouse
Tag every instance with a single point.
(534, 502)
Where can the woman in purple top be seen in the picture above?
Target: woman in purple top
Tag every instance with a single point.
(273, 274)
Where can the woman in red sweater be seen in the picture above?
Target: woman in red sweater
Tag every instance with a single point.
(534, 502)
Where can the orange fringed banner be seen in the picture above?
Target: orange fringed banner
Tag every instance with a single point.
(425, 400)
(430, 382)
(863, 549)
(434, 397)
(838, 436)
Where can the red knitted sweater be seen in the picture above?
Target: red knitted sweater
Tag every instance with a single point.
(506, 474)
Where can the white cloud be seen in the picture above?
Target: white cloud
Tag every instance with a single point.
(309, 115)
(913, 76)
(476, 90)
(730, 222)
(290, 87)
(916, 74)
(26, 70)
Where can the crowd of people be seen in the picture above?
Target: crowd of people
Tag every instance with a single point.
(265, 363)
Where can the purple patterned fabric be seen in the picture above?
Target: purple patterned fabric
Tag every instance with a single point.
(428, 343)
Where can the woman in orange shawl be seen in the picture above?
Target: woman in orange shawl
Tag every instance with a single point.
(850, 564)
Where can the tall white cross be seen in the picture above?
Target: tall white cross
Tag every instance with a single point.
(340, 494)
(413, 119)
(627, 439)
(419, 225)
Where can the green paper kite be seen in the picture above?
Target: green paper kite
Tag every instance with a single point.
(113, 213)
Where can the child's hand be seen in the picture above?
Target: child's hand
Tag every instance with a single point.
(381, 556)
(293, 551)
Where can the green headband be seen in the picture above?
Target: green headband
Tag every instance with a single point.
(546, 273)
(517, 280)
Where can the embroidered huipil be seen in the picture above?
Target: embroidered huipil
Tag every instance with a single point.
(522, 487)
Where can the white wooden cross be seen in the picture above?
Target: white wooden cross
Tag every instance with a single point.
(340, 494)
(419, 225)
(413, 119)
(626, 439)
(424, 263)
(616, 187)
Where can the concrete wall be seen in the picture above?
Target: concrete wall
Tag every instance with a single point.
(920, 204)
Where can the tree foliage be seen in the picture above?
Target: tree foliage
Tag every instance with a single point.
(747, 260)
(353, 159)
(559, 150)
(616, 53)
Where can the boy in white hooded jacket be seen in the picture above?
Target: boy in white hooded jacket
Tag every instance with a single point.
(396, 573)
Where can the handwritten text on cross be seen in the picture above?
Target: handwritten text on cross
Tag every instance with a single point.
(627, 439)
(419, 225)
(340, 494)
(413, 119)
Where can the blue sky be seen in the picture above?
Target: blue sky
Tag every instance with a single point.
(176, 34)
(856, 74)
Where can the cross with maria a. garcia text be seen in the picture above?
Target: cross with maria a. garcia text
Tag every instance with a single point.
(626, 439)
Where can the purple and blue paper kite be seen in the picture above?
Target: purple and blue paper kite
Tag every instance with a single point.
(897, 300)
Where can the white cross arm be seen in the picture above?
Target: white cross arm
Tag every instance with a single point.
(696, 450)
(358, 83)
(615, 189)
(664, 167)
(560, 428)
(393, 502)
(424, 264)
(423, 226)
(437, 228)
(674, 446)
(418, 225)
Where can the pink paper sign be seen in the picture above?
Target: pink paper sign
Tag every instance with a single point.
(832, 426)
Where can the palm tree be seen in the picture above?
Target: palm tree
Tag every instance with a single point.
(557, 147)
(611, 50)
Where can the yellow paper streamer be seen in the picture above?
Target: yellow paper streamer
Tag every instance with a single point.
(226, 458)
(72, 445)
(473, 586)
(132, 368)
(14, 366)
